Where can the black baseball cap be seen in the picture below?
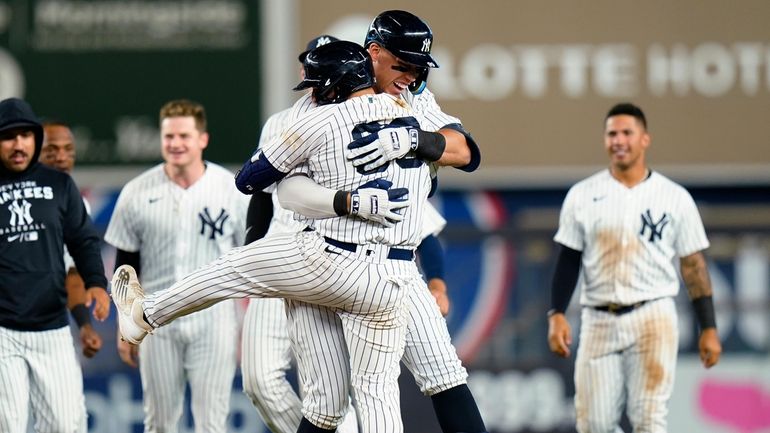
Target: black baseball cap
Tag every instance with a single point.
(315, 43)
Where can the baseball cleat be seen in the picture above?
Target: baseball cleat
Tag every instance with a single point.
(127, 294)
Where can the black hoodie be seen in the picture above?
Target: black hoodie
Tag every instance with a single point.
(40, 211)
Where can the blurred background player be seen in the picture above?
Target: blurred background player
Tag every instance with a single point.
(40, 211)
(623, 227)
(59, 152)
(168, 221)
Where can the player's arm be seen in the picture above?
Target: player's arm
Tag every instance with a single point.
(563, 284)
(696, 278)
(258, 216)
(76, 303)
(84, 245)
(374, 201)
(431, 256)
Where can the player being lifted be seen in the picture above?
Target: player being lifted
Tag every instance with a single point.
(396, 41)
(361, 269)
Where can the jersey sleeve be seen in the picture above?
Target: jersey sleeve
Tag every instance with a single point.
(297, 142)
(691, 236)
(82, 239)
(432, 118)
(570, 234)
(121, 231)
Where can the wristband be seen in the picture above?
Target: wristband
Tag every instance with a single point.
(81, 315)
(341, 203)
(430, 145)
(704, 312)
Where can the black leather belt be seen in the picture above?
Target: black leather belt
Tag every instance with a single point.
(618, 309)
(393, 253)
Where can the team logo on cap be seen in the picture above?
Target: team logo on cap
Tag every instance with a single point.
(323, 40)
(426, 45)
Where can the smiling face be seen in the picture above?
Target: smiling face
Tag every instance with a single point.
(393, 75)
(182, 143)
(17, 147)
(625, 140)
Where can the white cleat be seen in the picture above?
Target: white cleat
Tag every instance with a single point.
(127, 294)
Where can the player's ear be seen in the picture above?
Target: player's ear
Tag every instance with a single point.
(204, 140)
(646, 139)
(374, 52)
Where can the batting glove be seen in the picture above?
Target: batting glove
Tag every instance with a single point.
(390, 144)
(375, 201)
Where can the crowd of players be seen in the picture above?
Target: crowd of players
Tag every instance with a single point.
(325, 248)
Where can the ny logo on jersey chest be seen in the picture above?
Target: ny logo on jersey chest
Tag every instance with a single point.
(655, 228)
(215, 226)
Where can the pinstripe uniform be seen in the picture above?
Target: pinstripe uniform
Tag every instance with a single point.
(265, 351)
(628, 238)
(365, 286)
(429, 354)
(176, 230)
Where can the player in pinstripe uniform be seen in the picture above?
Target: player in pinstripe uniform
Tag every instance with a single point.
(399, 43)
(168, 221)
(265, 351)
(58, 152)
(623, 227)
(358, 267)
(40, 212)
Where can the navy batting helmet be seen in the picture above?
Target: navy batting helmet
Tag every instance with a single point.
(405, 35)
(336, 70)
(315, 43)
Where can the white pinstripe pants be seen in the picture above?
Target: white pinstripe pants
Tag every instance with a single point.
(40, 369)
(199, 349)
(628, 359)
(367, 291)
(429, 354)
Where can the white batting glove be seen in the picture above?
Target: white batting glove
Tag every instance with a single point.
(379, 205)
(391, 143)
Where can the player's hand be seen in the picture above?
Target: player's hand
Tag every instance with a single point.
(437, 288)
(101, 300)
(390, 144)
(709, 346)
(374, 201)
(128, 352)
(559, 334)
(90, 340)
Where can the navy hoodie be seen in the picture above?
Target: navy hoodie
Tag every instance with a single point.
(40, 211)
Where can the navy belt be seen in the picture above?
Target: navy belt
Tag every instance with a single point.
(393, 253)
(618, 309)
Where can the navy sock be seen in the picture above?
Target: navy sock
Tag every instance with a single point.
(306, 426)
(457, 412)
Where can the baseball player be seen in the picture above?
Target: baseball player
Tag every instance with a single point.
(58, 152)
(623, 227)
(265, 346)
(40, 212)
(401, 57)
(360, 268)
(168, 221)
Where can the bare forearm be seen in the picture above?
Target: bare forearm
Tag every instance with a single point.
(696, 276)
(456, 153)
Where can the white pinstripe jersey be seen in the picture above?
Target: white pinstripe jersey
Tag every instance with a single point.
(629, 236)
(283, 220)
(177, 230)
(320, 138)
